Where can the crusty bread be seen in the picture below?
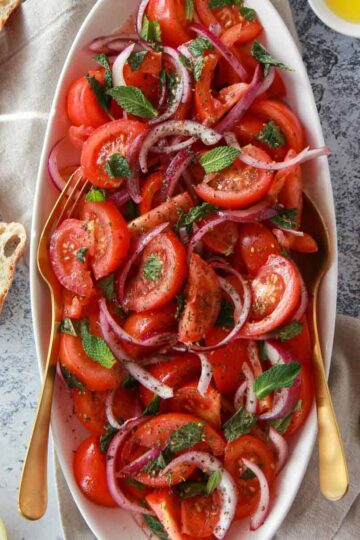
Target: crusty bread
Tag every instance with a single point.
(6, 9)
(12, 246)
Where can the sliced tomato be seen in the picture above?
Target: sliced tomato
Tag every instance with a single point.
(92, 374)
(222, 238)
(281, 176)
(188, 399)
(229, 18)
(111, 235)
(301, 244)
(254, 246)
(200, 515)
(148, 290)
(74, 306)
(146, 78)
(90, 472)
(79, 134)
(237, 186)
(141, 325)
(276, 293)
(203, 297)
(291, 195)
(258, 452)
(111, 138)
(306, 401)
(82, 106)
(149, 191)
(300, 346)
(165, 504)
(70, 245)
(168, 211)
(172, 18)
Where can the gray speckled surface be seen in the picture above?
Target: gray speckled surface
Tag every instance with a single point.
(333, 62)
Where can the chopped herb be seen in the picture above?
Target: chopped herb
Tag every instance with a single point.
(180, 299)
(281, 424)
(159, 463)
(262, 352)
(100, 92)
(219, 158)
(80, 254)
(278, 376)
(117, 166)
(198, 69)
(199, 45)
(195, 214)
(95, 347)
(185, 437)
(95, 195)
(189, 489)
(108, 436)
(239, 424)
(247, 474)
(129, 382)
(189, 10)
(185, 61)
(226, 315)
(289, 331)
(215, 4)
(132, 99)
(136, 59)
(173, 80)
(156, 527)
(71, 380)
(284, 252)
(135, 483)
(213, 482)
(68, 326)
(248, 13)
(107, 286)
(152, 267)
(104, 62)
(151, 30)
(266, 59)
(153, 406)
(286, 218)
(271, 135)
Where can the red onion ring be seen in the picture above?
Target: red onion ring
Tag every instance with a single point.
(226, 488)
(304, 301)
(253, 355)
(140, 16)
(239, 395)
(109, 410)
(135, 466)
(251, 399)
(190, 187)
(263, 506)
(280, 447)
(132, 155)
(53, 165)
(304, 155)
(118, 66)
(176, 127)
(174, 171)
(120, 197)
(206, 374)
(292, 231)
(115, 490)
(222, 48)
(231, 140)
(139, 246)
(174, 147)
(111, 43)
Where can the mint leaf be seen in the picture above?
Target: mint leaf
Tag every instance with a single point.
(195, 214)
(80, 254)
(136, 59)
(271, 135)
(129, 382)
(135, 483)
(239, 424)
(284, 252)
(213, 482)
(152, 267)
(151, 30)
(219, 158)
(180, 299)
(95, 195)
(172, 80)
(189, 10)
(276, 377)
(133, 101)
(156, 527)
(215, 4)
(266, 59)
(248, 13)
(67, 326)
(199, 45)
(107, 286)
(281, 424)
(286, 218)
(117, 166)
(185, 437)
(104, 62)
(226, 315)
(71, 380)
(289, 331)
(189, 489)
(100, 92)
(153, 406)
(262, 352)
(96, 348)
(107, 437)
(198, 69)
(159, 463)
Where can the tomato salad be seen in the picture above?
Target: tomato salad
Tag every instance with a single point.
(184, 338)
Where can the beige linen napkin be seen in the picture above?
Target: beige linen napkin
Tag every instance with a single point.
(32, 50)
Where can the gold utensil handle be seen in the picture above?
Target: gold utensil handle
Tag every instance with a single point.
(33, 495)
(333, 471)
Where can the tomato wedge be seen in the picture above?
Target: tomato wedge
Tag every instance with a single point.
(149, 191)
(222, 238)
(254, 246)
(109, 139)
(172, 18)
(276, 293)
(70, 246)
(188, 399)
(82, 106)
(111, 236)
(237, 186)
(200, 515)
(160, 276)
(306, 401)
(165, 504)
(203, 297)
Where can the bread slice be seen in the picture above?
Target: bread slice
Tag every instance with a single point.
(6, 9)
(12, 247)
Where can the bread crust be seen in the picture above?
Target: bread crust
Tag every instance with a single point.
(12, 247)
(6, 9)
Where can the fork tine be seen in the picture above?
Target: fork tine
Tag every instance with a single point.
(71, 195)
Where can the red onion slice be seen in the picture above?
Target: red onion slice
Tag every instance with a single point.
(292, 231)
(304, 155)
(215, 40)
(304, 301)
(135, 466)
(109, 410)
(132, 155)
(276, 353)
(140, 16)
(118, 66)
(262, 510)
(65, 148)
(280, 447)
(206, 374)
(176, 127)
(253, 355)
(226, 488)
(239, 395)
(111, 43)
(174, 171)
(120, 197)
(251, 399)
(174, 147)
(231, 140)
(139, 246)
(114, 488)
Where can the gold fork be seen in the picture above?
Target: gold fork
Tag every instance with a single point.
(33, 484)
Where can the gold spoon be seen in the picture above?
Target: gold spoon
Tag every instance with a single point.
(333, 471)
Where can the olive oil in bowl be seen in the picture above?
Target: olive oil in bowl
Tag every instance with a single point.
(349, 10)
